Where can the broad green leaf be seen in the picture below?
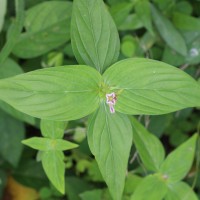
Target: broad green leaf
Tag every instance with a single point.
(175, 167)
(54, 167)
(7, 69)
(152, 187)
(143, 11)
(47, 27)
(186, 22)
(11, 133)
(52, 129)
(3, 4)
(94, 36)
(145, 86)
(47, 144)
(148, 146)
(60, 93)
(120, 12)
(14, 30)
(180, 191)
(110, 140)
(168, 32)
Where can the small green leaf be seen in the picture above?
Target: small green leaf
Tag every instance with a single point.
(52, 129)
(145, 86)
(168, 32)
(143, 10)
(94, 36)
(175, 167)
(3, 7)
(180, 191)
(47, 27)
(42, 144)
(186, 22)
(54, 93)
(152, 187)
(110, 140)
(47, 144)
(54, 167)
(148, 146)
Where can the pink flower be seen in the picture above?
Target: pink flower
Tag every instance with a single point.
(111, 101)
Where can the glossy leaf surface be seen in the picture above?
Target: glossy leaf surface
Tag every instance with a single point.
(145, 86)
(94, 36)
(54, 93)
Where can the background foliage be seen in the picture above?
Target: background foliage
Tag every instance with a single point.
(36, 35)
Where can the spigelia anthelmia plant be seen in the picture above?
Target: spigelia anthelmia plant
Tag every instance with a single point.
(109, 90)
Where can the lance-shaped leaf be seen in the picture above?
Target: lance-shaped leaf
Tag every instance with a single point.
(94, 36)
(148, 146)
(145, 86)
(152, 187)
(143, 10)
(47, 26)
(179, 162)
(52, 129)
(168, 32)
(54, 167)
(110, 139)
(186, 22)
(47, 144)
(60, 94)
(180, 191)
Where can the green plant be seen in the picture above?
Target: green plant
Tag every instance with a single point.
(107, 90)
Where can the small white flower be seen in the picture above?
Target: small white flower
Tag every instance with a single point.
(111, 101)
